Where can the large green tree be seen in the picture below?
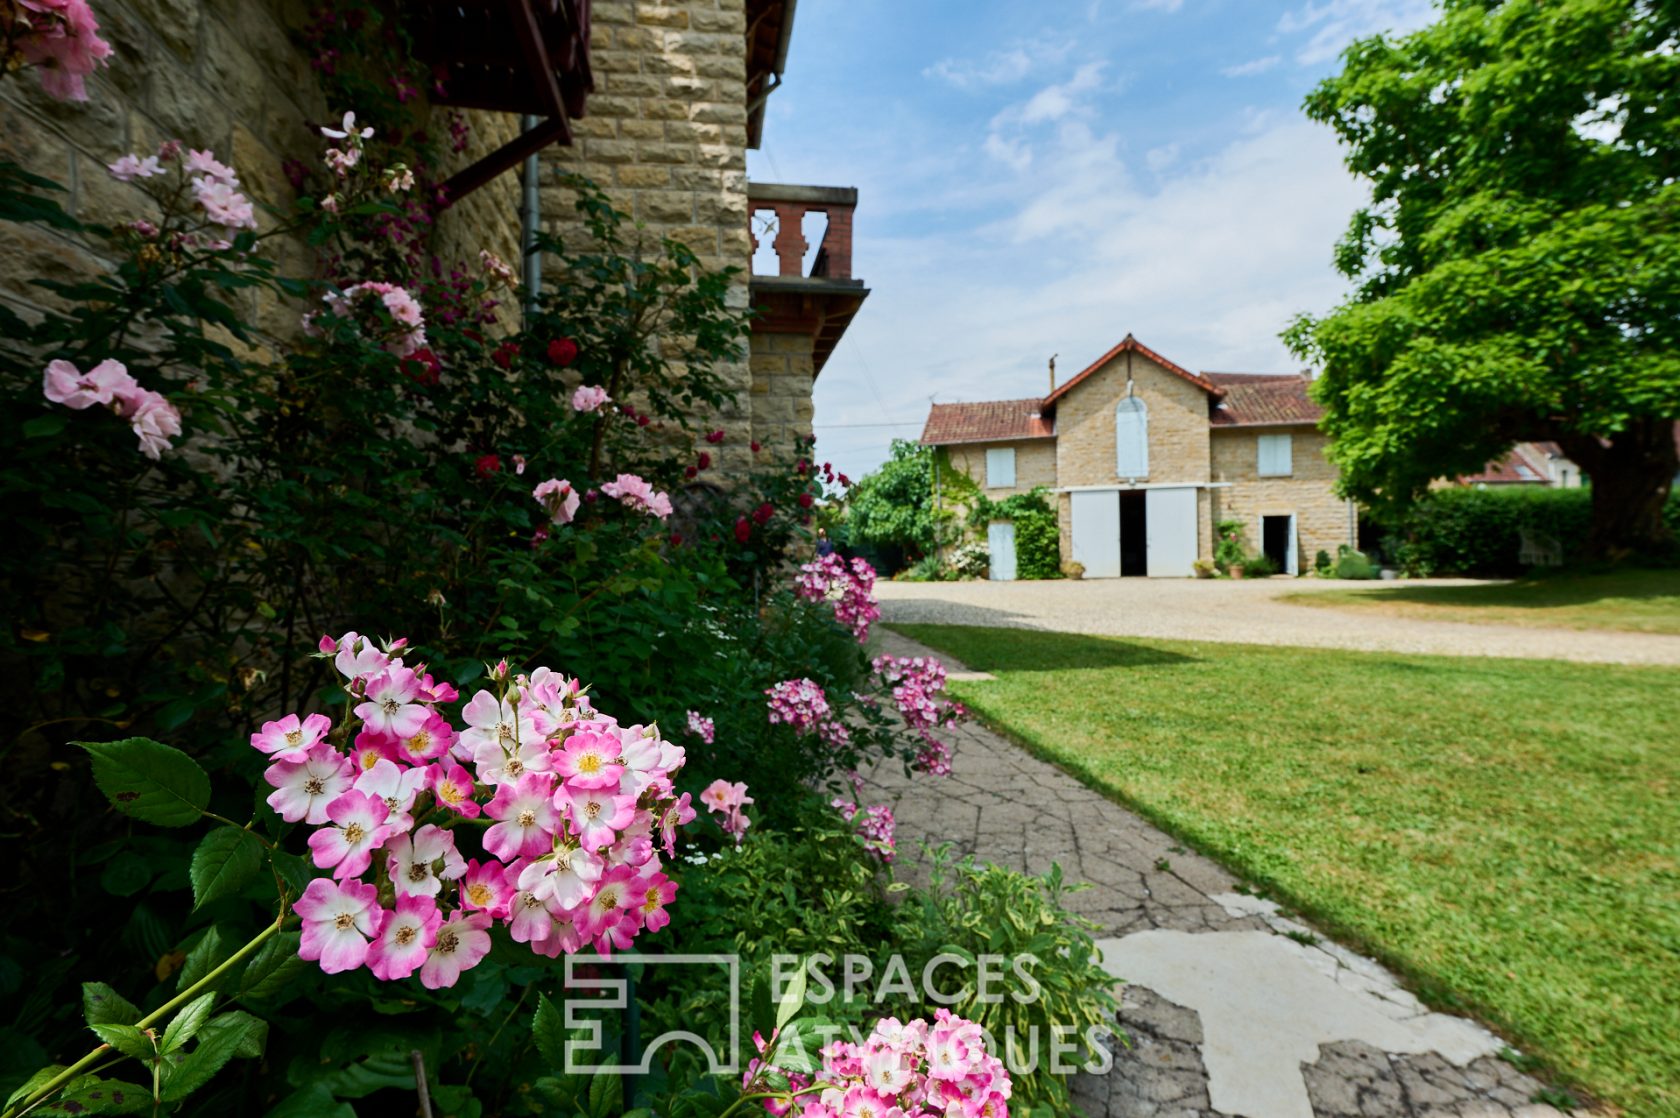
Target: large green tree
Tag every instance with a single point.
(894, 505)
(1517, 271)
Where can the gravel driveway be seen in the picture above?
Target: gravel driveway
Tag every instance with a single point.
(1246, 612)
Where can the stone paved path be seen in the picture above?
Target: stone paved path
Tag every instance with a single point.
(1228, 1013)
(1246, 612)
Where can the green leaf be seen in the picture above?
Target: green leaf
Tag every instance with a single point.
(793, 999)
(272, 969)
(150, 781)
(224, 863)
(213, 1050)
(548, 1030)
(130, 1040)
(91, 1095)
(44, 426)
(205, 955)
(125, 875)
(606, 1093)
(186, 1023)
(312, 1101)
(101, 1005)
(254, 1031)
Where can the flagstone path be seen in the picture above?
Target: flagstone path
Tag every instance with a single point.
(1228, 1012)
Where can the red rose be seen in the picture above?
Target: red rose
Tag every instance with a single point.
(714, 436)
(505, 353)
(487, 465)
(743, 530)
(642, 421)
(704, 461)
(676, 539)
(804, 500)
(845, 481)
(422, 367)
(802, 468)
(690, 472)
(562, 351)
(764, 512)
(755, 447)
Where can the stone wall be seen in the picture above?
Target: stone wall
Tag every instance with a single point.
(666, 136)
(782, 373)
(226, 75)
(1321, 518)
(1035, 465)
(1178, 425)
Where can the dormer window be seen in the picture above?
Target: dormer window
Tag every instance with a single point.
(1131, 439)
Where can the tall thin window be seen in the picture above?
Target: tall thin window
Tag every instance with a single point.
(1131, 438)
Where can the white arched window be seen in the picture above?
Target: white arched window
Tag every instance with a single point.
(1131, 438)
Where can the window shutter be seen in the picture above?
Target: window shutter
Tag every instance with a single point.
(1131, 438)
(1000, 467)
(1276, 456)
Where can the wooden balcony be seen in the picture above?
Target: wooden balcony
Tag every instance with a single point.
(820, 298)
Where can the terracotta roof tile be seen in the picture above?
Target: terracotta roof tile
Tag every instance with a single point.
(1523, 464)
(1131, 343)
(1261, 400)
(988, 421)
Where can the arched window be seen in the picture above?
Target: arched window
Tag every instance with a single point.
(1131, 438)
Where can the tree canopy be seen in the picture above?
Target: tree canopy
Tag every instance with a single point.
(893, 507)
(1517, 270)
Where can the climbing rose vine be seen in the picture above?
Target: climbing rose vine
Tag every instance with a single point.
(850, 586)
(579, 809)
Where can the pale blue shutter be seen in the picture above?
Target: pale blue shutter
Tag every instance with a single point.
(1131, 438)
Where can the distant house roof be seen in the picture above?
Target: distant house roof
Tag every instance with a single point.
(1523, 464)
(1261, 400)
(1135, 346)
(989, 421)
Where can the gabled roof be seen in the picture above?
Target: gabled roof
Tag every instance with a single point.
(1135, 346)
(1523, 464)
(1262, 400)
(985, 422)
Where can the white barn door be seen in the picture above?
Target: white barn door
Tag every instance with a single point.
(1000, 538)
(1096, 533)
(1171, 518)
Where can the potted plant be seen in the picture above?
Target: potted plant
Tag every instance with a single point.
(1235, 570)
(1203, 568)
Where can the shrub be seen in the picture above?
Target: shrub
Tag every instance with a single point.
(1478, 532)
(1322, 564)
(1232, 548)
(970, 560)
(1353, 564)
(1259, 565)
(1037, 538)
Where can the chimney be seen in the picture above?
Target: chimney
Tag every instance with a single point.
(1053, 373)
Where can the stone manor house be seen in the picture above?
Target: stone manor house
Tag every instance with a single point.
(1144, 458)
(655, 100)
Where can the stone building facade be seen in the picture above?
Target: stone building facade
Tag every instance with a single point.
(227, 75)
(1145, 458)
(678, 96)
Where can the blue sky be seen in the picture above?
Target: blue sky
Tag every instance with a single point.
(1043, 177)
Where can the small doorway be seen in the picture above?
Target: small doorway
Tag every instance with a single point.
(1277, 542)
(1000, 539)
(1134, 533)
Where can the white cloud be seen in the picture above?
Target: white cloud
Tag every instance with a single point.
(999, 68)
(1336, 23)
(1007, 138)
(1159, 159)
(1158, 5)
(1056, 101)
(1250, 69)
(1205, 261)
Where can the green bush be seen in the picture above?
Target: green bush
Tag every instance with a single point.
(1322, 565)
(972, 910)
(1478, 532)
(1037, 537)
(1259, 565)
(1232, 548)
(1353, 564)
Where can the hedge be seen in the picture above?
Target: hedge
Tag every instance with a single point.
(1478, 532)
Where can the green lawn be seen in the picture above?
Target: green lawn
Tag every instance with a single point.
(1506, 833)
(1635, 601)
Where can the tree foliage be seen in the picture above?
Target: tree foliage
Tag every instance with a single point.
(1517, 271)
(893, 507)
